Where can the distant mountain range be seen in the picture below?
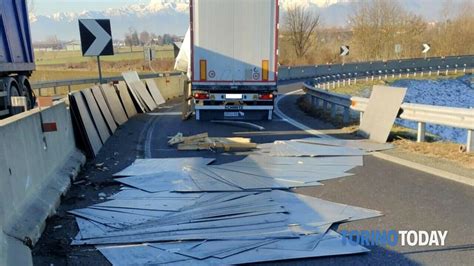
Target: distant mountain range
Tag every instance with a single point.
(171, 16)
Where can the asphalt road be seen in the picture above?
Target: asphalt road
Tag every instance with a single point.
(409, 199)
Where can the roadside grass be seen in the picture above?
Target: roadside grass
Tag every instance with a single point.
(363, 87)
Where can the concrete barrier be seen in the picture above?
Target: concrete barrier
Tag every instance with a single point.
(36, 168)
(171, 86)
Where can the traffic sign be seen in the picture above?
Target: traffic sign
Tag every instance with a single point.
(426, 48)
(344, 50)
(96, 37)
(149, 53)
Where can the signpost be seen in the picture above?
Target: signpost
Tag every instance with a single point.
(426, 48)
(149, 54)
(398, 50)
(96, 39)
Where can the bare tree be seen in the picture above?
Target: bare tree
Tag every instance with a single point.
(301, 25)
(145, 37)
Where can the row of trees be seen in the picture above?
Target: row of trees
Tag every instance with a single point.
(375, 28)
(134, 38)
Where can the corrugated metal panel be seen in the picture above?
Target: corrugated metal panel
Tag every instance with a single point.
(234, 37)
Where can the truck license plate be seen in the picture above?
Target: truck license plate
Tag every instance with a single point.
(233, 96)
(234, 114)
(234, 107)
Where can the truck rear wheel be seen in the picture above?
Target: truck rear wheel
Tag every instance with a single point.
(13, 90)
(26, 91)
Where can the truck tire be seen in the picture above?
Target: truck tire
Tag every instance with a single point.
(13, 89)
(26, 91)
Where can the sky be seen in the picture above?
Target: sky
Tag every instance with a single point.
(48, 7)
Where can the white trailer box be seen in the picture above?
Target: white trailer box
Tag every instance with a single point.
(234, 56)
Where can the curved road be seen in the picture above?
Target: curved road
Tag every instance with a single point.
(410, 200)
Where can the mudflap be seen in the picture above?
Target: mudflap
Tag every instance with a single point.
(239, 115)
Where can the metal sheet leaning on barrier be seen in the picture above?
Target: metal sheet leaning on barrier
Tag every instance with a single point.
(36, 168)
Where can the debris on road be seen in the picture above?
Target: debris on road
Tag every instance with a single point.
(381, 112)
(192, 211)
(204, 142)
(239, 124)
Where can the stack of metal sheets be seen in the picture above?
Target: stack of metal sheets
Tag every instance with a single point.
(190, 211)
(215, 228)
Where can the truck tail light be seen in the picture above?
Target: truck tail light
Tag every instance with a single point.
(201, 96)
(203, 70)
(265, 65)
(266, 96)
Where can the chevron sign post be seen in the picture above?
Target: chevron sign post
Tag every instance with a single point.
(96, 39)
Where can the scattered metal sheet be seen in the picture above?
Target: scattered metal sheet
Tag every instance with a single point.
(363, 144)
(331, 244)
(130, 77)
(222, 249)
(99, 97)
(96, 115)
(127, 101)
(154, 166)
(248, 219)
(382, 109)
(160, 182)
(302, 161)
(143, 93)
(114, 104)
(239, 124)
(142, 254)
(84, 122)
(299, 149)
(155, 92)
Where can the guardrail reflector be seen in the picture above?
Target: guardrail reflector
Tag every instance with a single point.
(203, 70)
(265, 65)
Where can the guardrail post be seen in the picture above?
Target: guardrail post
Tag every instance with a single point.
(333, 110)
(421, 132)
(55, 90)
(69, 88)
(345, 118)
(312, 99)
(470, 141)
(325, 105)
(39, 92)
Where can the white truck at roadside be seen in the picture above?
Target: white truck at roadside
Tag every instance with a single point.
(233, 54)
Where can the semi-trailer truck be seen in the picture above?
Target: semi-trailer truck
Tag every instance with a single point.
(234, 58)
(16, 55)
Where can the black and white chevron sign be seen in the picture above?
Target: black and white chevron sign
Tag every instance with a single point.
(96, 37)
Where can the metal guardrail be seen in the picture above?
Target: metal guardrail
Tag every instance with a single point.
(434, 65)
(420, 113)
(69, 83)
